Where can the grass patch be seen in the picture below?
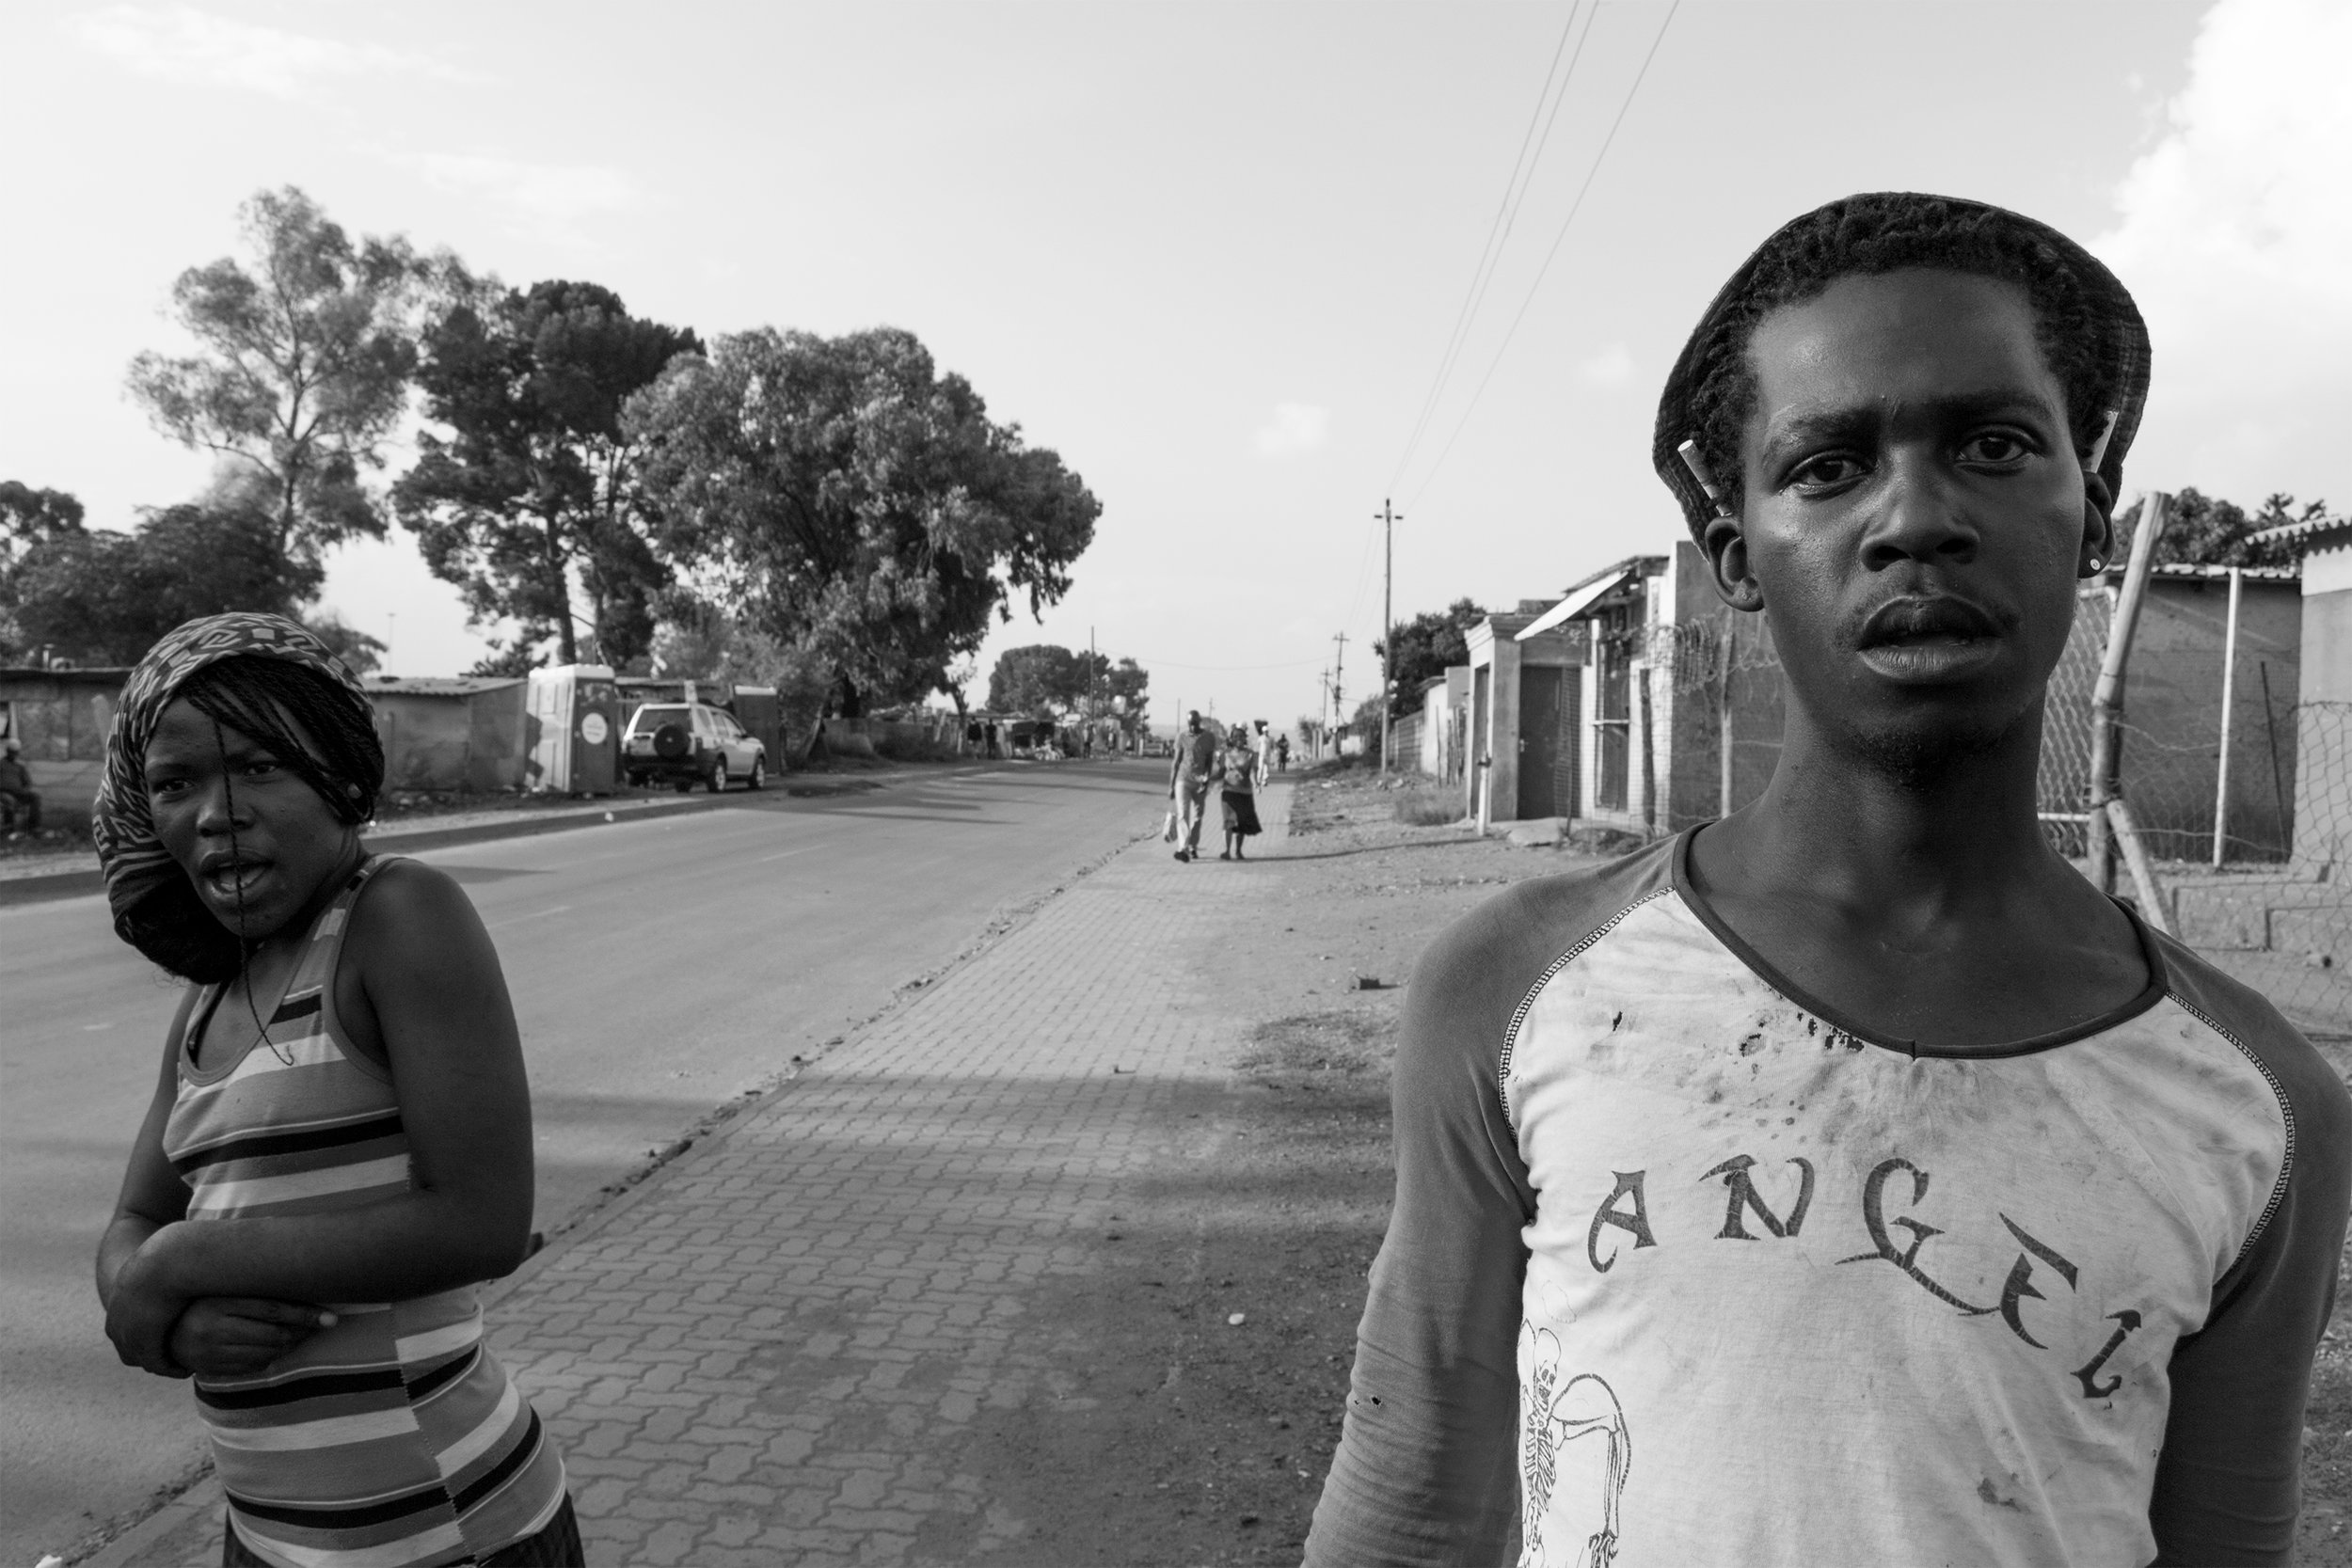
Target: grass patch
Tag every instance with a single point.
(1428, 806)
(1344, 1041)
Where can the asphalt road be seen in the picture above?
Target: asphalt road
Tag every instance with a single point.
(659, 969)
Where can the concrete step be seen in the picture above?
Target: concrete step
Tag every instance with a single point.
(2255, 916)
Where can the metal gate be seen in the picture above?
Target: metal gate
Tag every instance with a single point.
(1548, 700)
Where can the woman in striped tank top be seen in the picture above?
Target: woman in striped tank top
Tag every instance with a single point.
(339, 1149)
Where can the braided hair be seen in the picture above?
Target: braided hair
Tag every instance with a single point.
(2088, 329)
(318, 731)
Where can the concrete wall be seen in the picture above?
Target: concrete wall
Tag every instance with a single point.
(1405, 742)
(62, 717)
(2323, 774)
(1495, 788)
(2173, 715)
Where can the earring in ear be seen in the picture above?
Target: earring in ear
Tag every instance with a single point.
(2096, 562)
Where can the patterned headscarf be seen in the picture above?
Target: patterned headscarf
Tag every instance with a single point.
(132, 858)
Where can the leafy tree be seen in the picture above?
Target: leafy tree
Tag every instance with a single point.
(28, 519)
(535, 479)
(696, 640)
(1044, 679)
(856, 505)
(355, 647)
(2205, 530)
(1429, 643)
(303, 369)
(97, 597)
(505, 658)
(1123, 688)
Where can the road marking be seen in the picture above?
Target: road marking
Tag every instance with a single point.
(535, 915)
(788, 854)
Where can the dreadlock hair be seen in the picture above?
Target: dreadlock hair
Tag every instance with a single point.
(316, 729)
(2088, 329)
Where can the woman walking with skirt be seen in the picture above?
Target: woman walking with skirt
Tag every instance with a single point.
(1239, 761)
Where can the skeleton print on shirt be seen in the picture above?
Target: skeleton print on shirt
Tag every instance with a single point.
(1574, 1453)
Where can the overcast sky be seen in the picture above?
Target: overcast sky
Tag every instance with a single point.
(1210, 253)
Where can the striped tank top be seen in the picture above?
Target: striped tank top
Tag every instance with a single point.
(392, 1438)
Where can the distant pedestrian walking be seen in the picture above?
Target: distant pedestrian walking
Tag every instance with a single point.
(20, 803)
(1282, 753)
(321, 1183)
(1188, 774)
(1239, 766)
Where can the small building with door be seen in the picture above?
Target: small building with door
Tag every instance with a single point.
(443, 733)
(1523, 757)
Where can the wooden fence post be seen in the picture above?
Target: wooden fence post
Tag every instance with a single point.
(2106, 713)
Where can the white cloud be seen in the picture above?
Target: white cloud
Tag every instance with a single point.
(182, 43)
(1612, 367)
(1293, 427)
(556, 195)
(2236, 236)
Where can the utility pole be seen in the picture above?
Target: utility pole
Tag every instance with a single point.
(1339, 703)
(1388, 624)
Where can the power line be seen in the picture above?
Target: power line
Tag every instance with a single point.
(1499, 229)
(1511, 331)
(1177, 664)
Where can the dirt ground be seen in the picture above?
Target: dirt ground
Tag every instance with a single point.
(1268, 1198)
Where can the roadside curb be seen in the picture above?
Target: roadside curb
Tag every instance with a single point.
(15, 891)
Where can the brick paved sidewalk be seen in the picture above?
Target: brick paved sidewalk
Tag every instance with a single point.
(773, 1351)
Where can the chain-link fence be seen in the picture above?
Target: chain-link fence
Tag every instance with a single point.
(2242, 794)
(2275, 909)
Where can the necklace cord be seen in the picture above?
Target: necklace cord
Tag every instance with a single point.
(244, 942)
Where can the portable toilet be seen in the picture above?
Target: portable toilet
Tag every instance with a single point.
(574, 730)
(758, 710)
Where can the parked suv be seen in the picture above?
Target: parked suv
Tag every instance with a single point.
(690, 743)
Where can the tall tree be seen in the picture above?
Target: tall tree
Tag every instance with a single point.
(1428, 643)
(1125, 687)
(534, 481)
(1045, 679)
(97, 597)
(303, 367)
(853, 503)
(355, 648)
(29, 518)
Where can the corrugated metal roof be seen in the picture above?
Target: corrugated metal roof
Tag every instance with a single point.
(436, 686)
(1584, 598)
(2186, 571)
(2310, 532)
